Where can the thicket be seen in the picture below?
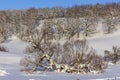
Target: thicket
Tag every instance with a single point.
(73, 56)
(112, 56)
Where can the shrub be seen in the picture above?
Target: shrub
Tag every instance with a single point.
(113, 56)
(3, 49)
(73, 56)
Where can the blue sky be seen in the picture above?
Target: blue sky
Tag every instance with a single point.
(25, 4)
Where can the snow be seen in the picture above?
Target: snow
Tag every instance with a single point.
(10, 68)
(113, 78)
(3, 73)
(102, 42)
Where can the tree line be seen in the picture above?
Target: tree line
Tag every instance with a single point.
(23, 21)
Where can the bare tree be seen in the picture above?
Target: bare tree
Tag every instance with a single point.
(110, 25)
(88, 26)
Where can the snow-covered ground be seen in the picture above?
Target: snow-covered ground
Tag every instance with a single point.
(10, 68)
(101, 42)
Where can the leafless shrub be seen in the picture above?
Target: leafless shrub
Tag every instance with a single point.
(74, 56)
(3, 49)
(80, 58)
(39, 55)
(88, 62)
(113, 56)
(110, 25)
(3, 34)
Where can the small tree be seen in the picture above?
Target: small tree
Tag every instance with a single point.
(110, 25)
(88, 26)
(3, 33)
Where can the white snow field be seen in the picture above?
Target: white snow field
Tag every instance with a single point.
(103, 42)
(10, 68)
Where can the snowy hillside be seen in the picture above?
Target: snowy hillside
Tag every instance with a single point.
(75, 43)
(102, 42)
(10, 68)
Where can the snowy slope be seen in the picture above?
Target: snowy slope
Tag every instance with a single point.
(10, 68)
(102, 42)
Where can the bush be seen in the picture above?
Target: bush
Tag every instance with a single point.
(3, 49)
(113, 56)
(72, 57)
